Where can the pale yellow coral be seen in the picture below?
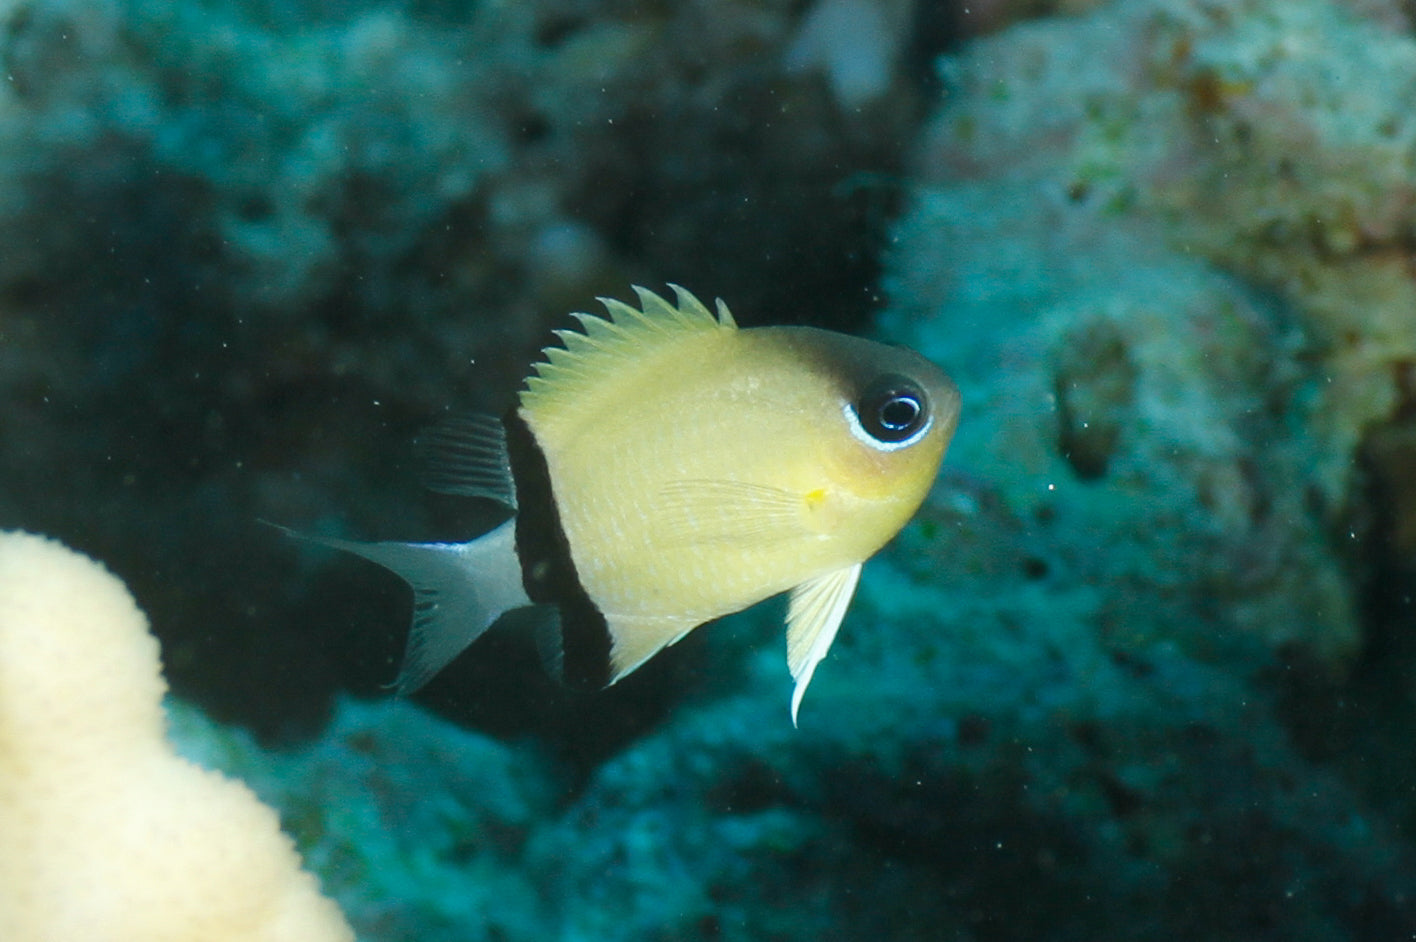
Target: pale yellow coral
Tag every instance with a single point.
(105, 834)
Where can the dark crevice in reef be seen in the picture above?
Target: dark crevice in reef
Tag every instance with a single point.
(1362, 722)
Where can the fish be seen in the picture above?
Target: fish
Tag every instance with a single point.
(664, 467)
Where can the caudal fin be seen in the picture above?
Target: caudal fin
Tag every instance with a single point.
(459, 591)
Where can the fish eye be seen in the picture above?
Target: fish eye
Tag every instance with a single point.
(892, 413)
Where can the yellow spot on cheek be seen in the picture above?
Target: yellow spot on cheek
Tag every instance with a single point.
(822, 513)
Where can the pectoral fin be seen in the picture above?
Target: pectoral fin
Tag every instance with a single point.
(814, 614)
(695, 512)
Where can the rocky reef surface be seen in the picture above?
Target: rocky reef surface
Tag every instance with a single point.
(1141, 668)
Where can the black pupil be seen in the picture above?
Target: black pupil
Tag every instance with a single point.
(899, 413)
(892, 409)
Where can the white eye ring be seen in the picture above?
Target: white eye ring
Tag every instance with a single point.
(858, 430)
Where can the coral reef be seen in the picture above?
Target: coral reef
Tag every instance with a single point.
(417, 827)
(1090, 172)
(1240, 135)
(1141, 668)
(1139, 401)
(108, 835)
(974, 734)
(1161, 248)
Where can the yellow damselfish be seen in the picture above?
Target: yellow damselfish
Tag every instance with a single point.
(666, 468)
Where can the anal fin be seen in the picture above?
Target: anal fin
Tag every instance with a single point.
(634, 640)
(813, 617)
(590, 653)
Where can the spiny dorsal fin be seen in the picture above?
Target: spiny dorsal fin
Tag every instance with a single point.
(604, 344)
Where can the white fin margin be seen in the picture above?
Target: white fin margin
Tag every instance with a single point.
(813, 617)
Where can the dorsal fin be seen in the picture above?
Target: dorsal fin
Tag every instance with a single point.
(607, 343)
(465, 455)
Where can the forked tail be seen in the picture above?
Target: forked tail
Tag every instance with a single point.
(459, 591)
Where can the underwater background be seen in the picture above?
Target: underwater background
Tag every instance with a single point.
(1144, 666)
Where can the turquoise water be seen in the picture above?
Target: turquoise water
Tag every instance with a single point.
(1141, 667)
